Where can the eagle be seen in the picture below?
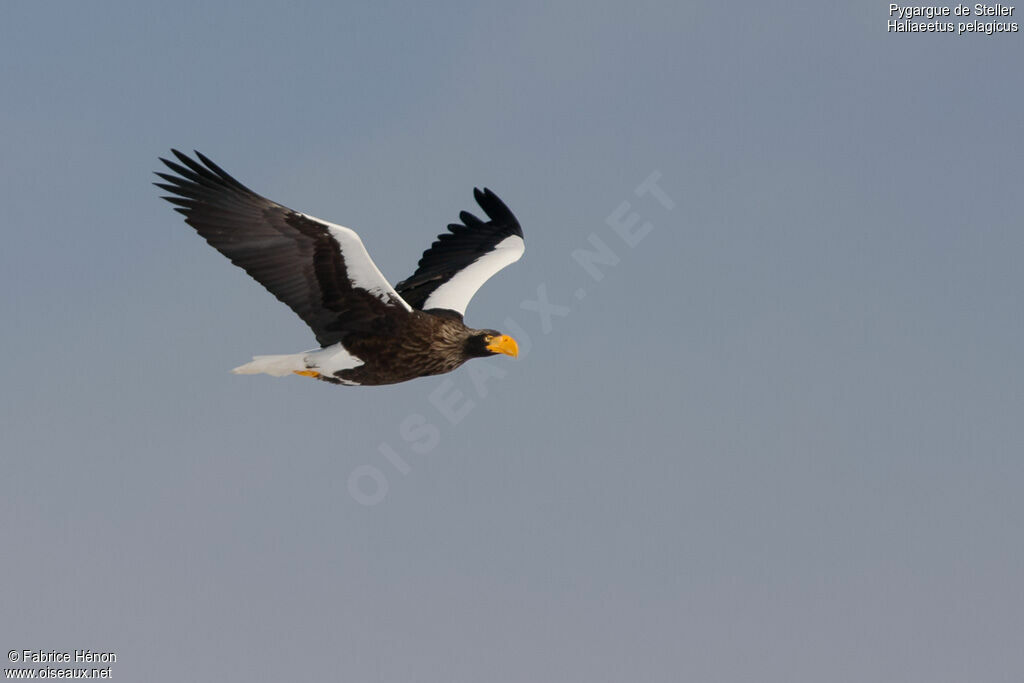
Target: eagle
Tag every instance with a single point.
(369, 332)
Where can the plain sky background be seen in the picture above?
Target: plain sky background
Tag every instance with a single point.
(780, 440)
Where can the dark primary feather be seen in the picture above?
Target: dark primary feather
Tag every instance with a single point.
(292, 256)
(463, 244)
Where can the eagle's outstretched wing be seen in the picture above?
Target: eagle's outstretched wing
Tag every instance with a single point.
(464, 258)
(320, 270)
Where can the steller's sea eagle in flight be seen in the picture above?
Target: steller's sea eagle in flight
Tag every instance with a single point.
(369, 332)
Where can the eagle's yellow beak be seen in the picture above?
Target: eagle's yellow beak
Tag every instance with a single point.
(504, 344)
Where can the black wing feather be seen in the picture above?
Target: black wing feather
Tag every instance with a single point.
(459, 247)
(293, 256)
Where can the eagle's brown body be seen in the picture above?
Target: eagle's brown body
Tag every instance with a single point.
(410, 345)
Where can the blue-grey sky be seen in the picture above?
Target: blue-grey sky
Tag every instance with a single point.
(780, 439)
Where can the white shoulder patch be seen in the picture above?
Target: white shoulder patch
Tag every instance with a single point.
(362, 271)
(456, 293)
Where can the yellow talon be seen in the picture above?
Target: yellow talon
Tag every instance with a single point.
(307, 373)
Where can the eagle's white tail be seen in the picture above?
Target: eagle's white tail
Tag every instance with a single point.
(278, 366)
